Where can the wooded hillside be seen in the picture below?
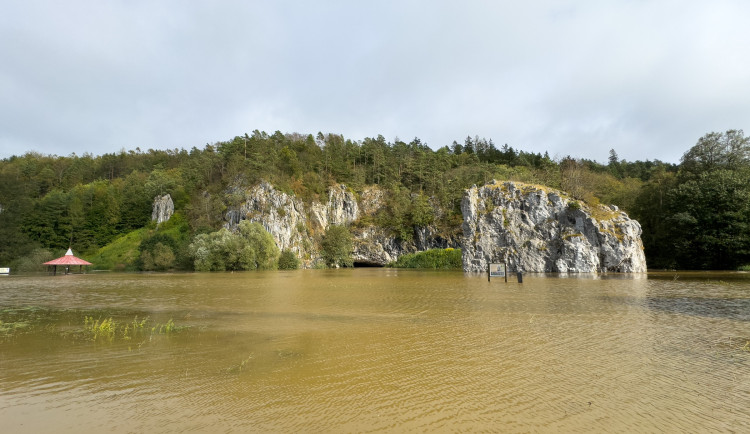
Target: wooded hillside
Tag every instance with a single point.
(694, 215)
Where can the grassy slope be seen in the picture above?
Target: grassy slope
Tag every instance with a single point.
(121, 254)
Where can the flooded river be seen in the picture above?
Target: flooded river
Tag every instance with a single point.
(368, 350)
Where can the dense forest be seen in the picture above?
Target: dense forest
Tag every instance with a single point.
(695, 215)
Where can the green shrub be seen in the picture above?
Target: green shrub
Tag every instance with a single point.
(252, 247)
(33, 261)
(288, 260)
(435, 259)
(336, 247)
(160, 258)
(163, 247)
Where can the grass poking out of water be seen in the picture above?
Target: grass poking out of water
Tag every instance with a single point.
(27, 322)
(238, 368)
(733, 345)
(104, 329)
(11, 328)
(110, 330)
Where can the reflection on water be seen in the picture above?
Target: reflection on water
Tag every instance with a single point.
(718, 295)
(738, 309)
(376, 350)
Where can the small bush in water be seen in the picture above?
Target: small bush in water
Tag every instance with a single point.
(435, 259)
(288, 260)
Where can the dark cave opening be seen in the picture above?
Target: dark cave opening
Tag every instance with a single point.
(362, 264)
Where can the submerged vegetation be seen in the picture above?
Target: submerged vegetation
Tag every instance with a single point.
(109, 330)
(17, 322)
(12, 328)
(695, 214)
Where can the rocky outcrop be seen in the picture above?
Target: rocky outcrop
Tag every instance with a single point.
(282, 215)
(533, 228)
(377, 246)
(374, 245)
(163, 208)
(342, 206)
(298, 227)
(536, 229)
(319, 216)
(371, 200)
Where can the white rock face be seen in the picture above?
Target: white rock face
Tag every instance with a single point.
(297, 227)
(542, 230)
(289, 221)
(319, 216)
(163, 208)
(371, 200)
(342, 206)
(282, 215)
(375, 245)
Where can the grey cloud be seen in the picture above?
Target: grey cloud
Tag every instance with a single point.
(569, 77)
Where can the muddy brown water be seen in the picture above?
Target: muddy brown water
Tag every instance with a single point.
(376, 350)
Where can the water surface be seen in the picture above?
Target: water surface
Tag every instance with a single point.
(368, 350)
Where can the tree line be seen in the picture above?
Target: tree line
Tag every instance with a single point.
(694, 214)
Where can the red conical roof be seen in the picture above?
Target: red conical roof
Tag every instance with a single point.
(68, 259)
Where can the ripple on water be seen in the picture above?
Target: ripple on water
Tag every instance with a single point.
(385, 350)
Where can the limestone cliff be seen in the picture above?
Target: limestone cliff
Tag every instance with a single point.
(282, 215)
(298, 227)
(542, 230)
(341, 208)
(377, 246)
(163, 208)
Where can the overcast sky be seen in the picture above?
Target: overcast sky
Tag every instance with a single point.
(646, 78)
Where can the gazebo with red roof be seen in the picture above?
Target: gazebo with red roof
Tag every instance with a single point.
(67, 261)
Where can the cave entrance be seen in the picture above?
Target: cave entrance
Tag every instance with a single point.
(363, 264)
